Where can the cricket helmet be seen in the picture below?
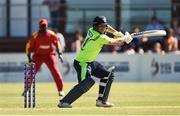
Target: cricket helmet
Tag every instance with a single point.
(99, 20)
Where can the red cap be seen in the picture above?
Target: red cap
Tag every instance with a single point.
(43, 22)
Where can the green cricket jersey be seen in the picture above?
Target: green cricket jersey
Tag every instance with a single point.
(92, 45)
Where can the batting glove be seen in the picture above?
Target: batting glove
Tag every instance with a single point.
(127, 38)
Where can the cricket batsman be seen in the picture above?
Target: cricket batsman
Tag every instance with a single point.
(39, 50)
(86, 66)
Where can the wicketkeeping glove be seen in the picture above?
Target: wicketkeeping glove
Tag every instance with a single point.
(29, 58)
(127, 38)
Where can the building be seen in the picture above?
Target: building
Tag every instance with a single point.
(19, 18)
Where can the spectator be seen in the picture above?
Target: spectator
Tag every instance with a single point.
(115, 49)
(140, 51)
(143, 44)
(54, 8)
(178, 36)
(130, 49)
(171, 42)
(140, 44)
(135, 41)
(176, 27)
(76, 45)
(154, 25)
(157, 48)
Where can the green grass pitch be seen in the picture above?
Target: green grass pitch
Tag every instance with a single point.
(129, 99)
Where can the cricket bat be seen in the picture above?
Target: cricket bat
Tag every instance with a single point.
(149, 33)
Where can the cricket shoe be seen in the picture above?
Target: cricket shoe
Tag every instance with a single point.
(64, 105)
(61, 93)
(100, 103)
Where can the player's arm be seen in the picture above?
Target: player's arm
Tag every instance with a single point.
(29, 48)
(119, 41)
(28, 53)
(111, 30)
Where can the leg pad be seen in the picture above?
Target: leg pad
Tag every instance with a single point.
(78, 90)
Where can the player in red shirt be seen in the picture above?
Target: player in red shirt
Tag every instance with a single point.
(40, 45)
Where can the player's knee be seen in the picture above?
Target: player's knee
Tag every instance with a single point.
(86, 84)
(112, 74)
(111, 71)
